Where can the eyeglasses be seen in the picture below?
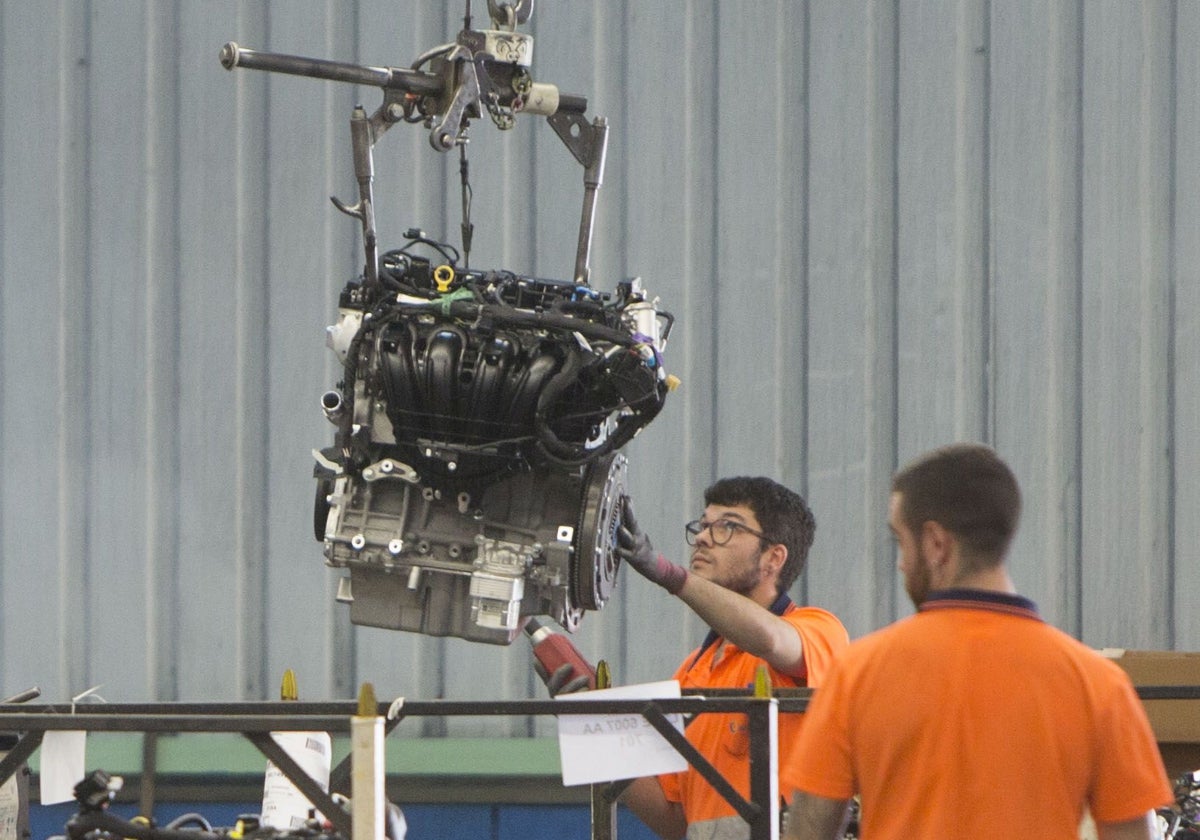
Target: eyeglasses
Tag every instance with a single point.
(722, 531)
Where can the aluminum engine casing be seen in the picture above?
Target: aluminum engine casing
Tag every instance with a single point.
(475, 479)
(541, 542)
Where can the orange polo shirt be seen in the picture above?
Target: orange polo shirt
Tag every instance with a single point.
(723, 738)
(974, 718)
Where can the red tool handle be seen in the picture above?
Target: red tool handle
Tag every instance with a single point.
(554, 650)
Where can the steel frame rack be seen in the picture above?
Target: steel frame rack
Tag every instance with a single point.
(257, 720)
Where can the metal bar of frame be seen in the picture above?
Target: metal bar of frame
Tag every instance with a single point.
(604, 813)
(146, 794)
(763, 724)
(604, 808)
(19, 754)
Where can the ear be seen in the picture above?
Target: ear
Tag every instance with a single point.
(774, 558)
(937, 543)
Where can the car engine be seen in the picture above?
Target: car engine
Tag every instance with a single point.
(475, 477)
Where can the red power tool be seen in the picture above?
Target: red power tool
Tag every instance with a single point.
(553, 650)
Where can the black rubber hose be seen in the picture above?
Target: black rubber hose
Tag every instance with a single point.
(508, 316)
(551, 444)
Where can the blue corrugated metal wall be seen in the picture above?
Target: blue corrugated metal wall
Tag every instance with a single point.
(882, 225)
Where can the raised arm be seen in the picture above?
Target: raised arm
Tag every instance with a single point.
(734, 617)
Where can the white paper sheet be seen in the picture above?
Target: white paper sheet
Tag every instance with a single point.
(62, 762)
(604, 748)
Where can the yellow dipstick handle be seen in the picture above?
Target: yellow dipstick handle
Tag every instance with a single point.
(443, 276)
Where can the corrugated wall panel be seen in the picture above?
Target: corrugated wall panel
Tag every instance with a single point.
(882, 225)
(1185, 280)
(119, 403)
(1034, 235)
(156, 272)
(68, 369)
(309, 249)
(759, 301)
(247, 236)
(222, 348)
(943, 331)
(1126, 197)
(43, 322)
(851, 345)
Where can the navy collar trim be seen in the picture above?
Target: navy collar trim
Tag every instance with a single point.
(981, 599)
(778, 608)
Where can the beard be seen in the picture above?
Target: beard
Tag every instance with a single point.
(743, 580)
(917, 581)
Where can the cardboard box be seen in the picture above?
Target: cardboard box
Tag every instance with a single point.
(1176, 723)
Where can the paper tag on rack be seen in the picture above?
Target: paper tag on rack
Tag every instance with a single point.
(604, 748)
(10, 807)
(61, 768)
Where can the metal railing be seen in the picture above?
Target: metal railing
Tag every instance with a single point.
(256, 721)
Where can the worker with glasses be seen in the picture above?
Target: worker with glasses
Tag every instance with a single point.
(747, 549)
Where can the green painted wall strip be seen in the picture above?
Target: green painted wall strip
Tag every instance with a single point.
(193, 753)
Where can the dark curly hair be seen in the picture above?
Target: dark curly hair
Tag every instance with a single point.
(784, 516)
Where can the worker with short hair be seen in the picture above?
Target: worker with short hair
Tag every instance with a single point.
(748, 547)
(973, 718)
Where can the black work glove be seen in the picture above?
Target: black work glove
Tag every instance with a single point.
(634, 548)
(564, 680)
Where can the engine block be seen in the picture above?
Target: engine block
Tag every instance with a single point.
(475, 477)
